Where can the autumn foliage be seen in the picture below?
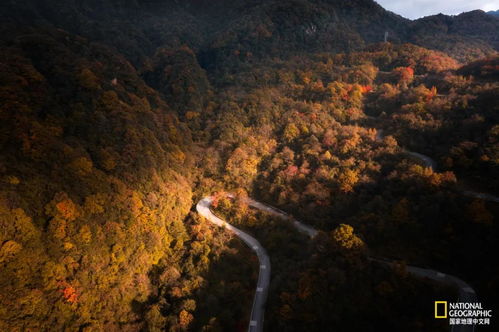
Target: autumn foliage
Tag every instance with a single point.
(117, 117)
(69, 293)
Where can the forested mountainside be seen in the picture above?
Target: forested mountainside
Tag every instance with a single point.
(117, 117)
(217, 30)
(466, 36)
(94, 186)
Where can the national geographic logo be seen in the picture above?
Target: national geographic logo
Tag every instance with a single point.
(463, 313)
(440, 309)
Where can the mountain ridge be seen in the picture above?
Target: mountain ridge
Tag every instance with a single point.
(260, 27)
(494, 13)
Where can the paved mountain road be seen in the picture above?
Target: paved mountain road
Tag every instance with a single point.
(466, 292)
(426, 160)
(431, 163)
(301, 227)
(262, 286)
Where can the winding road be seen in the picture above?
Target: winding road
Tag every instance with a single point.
(431, 163)
(262, 286)
(426, 160)
(301, 227)
(466, 292)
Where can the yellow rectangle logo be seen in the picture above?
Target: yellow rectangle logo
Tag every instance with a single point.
(440, 313)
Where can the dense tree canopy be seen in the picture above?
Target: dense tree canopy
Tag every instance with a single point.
(117, 117)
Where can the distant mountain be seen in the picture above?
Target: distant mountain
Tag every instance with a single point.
(475, 24)
(494, 13)
(466, 36)
(217, 29)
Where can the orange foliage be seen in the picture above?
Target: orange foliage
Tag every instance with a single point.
(404, 74)
(185, 318)
(216, 198)
(63, 207)
(69, 293)
(66, 209)
(366, 89)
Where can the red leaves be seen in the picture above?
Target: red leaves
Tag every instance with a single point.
(366, 89)
(431, 94)
(62, 207)
(404, 74)
(66, 209)
(69, 293)
(216, 198)
(214, 202)
(291, 171)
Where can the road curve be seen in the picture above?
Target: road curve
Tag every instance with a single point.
(301, 227)
(466, 292)
(262, 286)
(482, 196)
(431, 163)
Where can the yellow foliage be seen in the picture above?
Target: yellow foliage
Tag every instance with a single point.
(62, 207)
(347, 180)
(16, 225)
(344, 237)
(57, 228)
(185, 319)
(85, 234)
(52, 274)
(33, 304)
(177, 155)
(81, 166)
(108, 159)
(291, 132)
(155, 320)
(327, 155)
(70, 263)
(68, 246)
(191, 115)
(94, 204)
(9, 250)
(242, 164)
(13, 180)
(109, 163)
(133, 203)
